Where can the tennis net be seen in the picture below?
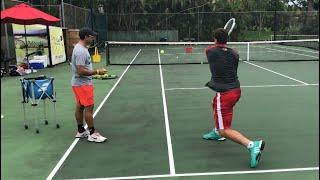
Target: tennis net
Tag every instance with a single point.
(292, 37)
(153, 53)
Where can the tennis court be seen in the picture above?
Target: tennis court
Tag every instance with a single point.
(149, 70)
(155, 116)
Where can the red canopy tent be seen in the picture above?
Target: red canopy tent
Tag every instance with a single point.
(27, 15)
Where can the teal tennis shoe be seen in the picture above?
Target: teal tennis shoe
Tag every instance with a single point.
(212, 135)
(255, 153)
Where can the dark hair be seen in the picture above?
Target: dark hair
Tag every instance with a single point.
(221, 35)
(86, 32)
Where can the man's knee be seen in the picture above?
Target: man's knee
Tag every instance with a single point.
(89, 108)
(79, 107)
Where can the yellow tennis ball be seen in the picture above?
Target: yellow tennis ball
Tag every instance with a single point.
(162, 51)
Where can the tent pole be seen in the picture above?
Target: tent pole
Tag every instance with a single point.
(6, 31)
(49, 47)
(25, 37)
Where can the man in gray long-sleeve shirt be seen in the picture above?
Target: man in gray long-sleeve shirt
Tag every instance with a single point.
(223, 62)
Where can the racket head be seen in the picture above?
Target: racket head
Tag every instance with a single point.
(229, 26)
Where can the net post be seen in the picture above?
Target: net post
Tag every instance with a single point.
(107, 53)
(248, 51)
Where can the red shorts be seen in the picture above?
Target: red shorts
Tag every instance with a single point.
(84, 94)
(222, 105)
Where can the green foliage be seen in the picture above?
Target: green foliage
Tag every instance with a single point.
(186, 17)
(198, 18)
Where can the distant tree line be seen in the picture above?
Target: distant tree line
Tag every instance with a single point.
(197, 18)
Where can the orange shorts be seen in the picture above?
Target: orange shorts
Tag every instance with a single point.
(84, 94)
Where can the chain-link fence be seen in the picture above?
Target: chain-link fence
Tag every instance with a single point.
(195, 26)
(253, 25)
(75, 17)
(101, 27)
(54, 10)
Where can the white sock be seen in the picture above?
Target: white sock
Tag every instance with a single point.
(216, 131)
(250, 145)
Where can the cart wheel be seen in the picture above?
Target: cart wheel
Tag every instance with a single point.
(26, 126)
(37, 131)
(46, 122)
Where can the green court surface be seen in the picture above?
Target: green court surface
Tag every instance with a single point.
(154, 117)
(179, 52)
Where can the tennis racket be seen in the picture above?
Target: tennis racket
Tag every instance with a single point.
(230, 25)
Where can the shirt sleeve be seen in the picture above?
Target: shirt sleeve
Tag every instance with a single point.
(80, 59)
(208, 49)
(236, 54)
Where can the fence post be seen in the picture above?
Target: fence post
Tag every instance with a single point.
(91, 14)
(248, 51)
(275, 20)
(107, 53)
(62, 13)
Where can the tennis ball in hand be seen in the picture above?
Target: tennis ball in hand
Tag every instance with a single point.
(101, 71)
(97, 76)
(162, 51)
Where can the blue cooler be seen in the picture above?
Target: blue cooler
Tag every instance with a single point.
(36, 64)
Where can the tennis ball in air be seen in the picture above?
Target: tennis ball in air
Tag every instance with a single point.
(162, 51)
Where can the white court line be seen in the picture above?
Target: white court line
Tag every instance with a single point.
(209, 174)
(66, 154)
(276, 73)
(165, 111)
(252, 86)
(287, 52)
